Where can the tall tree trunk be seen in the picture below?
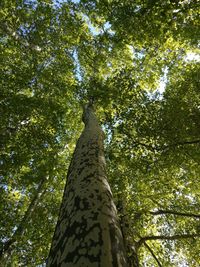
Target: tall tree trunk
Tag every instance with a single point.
(87, 232)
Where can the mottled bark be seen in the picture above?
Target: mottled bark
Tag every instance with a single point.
(87, 232)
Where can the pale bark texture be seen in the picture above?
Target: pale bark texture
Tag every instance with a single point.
(87, 232)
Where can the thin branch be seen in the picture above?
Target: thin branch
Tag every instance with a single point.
(170, 212)
(152, 253)
(165, 147)
(163, 237)
(160, 212)
(185, 143)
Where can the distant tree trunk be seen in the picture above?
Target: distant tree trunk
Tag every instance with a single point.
(87, 232)
(8, 246)
(130, 245)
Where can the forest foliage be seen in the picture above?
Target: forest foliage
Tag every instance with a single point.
(138, 61)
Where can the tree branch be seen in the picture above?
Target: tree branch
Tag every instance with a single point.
(165, 147)
(160, 212)
(163, 237)
(152, 253)
(170, 212)
(185, 143)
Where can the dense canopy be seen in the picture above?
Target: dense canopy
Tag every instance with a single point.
(138, 61)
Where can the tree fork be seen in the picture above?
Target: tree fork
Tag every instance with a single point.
(88, 232)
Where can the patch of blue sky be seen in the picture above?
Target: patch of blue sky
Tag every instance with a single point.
(163, 81)
(78, 69)
(58, 3)
(30, 3)
(42, 265)
(139, 54)
(107, 27)
(191, 56)
(95, 30)
(159, 91)
(3, 185)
